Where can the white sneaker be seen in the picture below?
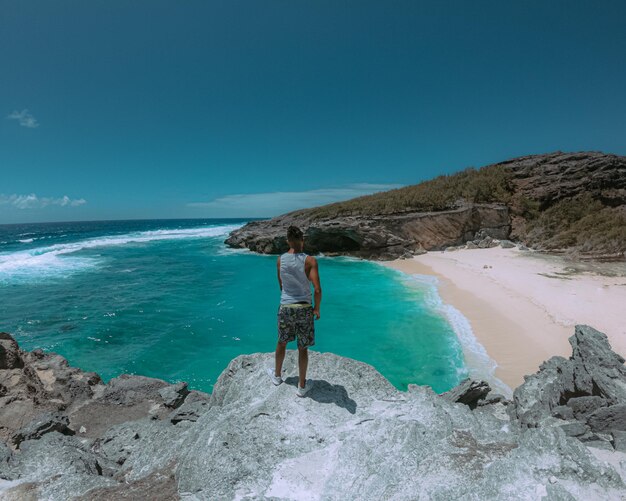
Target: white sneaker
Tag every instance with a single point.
(275, 379)
(303, 391)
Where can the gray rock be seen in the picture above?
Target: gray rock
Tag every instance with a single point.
(574, 429)
(471, 245)
(493, 398)
(54, 454)
(619, 440)
(507, 244)
(354, 436)
(486, 243)
(593, 370)
(174, 395)
(468, 392)
(599, 444)
(188, 411)
(9, 353)
(42, 424)
(385, 236)
(130, 390)
(563, 412)
(583, 406)
(607, 419)
(159, 485)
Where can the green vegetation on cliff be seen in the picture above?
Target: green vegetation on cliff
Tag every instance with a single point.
(581, 224)
(486, 185)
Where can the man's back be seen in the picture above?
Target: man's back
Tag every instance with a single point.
(296, 287)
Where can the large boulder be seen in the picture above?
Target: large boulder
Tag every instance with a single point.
(593, 370)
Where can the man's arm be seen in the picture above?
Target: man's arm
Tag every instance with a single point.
(280, 282)
(314, 277)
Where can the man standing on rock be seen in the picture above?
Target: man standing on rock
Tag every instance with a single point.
(296, 273)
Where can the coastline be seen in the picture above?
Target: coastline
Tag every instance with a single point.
(522, 306)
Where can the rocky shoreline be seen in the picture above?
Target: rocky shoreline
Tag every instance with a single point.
(67, 435)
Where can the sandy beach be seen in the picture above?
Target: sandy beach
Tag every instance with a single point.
(522, 306)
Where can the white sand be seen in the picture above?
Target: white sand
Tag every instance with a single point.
(523, 306)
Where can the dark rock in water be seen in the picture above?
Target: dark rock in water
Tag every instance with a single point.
(44, 423)
(468, 392)
(607, 419)
(9, 353)
(582, 406)
(174, 395)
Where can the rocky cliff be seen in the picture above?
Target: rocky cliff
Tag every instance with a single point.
(557, 202)
(67, 435)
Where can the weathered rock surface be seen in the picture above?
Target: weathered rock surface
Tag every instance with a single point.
(545, 179)
(468, 392)
(384, 237)
(354, 436)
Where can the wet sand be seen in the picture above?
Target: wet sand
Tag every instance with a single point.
(523, 306)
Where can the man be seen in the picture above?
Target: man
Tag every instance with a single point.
(296, 273)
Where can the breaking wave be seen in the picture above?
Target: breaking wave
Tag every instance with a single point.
(60, 259)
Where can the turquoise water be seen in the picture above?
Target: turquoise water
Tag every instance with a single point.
(168, 299)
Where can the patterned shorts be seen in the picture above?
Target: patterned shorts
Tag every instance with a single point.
(296, 321)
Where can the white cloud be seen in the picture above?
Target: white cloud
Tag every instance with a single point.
(279, 202)
(24, 118)
(32, 201)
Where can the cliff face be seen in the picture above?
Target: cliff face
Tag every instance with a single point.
(534, 184)
(383, 237)
(354, 436)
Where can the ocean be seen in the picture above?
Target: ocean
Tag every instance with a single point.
(168, 299)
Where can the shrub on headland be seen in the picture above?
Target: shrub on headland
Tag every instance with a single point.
(580, 224)
(487, 185)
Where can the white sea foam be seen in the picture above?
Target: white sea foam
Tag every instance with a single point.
(479, 363)
(57, 259)
(27, 240)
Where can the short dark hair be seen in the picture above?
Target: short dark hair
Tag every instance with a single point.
(294, 233)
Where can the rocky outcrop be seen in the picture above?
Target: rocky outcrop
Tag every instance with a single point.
(585, 395)
(536, 181)
(354, 436)
(380, 237)
(556, 176)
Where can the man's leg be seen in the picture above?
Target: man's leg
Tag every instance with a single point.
(280, 357)
(303, 363)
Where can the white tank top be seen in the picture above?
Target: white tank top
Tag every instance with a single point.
(296, 285)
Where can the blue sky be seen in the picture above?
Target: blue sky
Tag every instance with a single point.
(116, 109)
